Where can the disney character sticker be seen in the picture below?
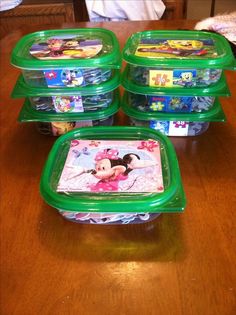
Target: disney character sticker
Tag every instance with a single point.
(112, 166)
(66, 104)
(64, 77)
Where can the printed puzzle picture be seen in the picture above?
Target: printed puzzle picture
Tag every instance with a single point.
(112, 166)
(171, 48)
(66, 47)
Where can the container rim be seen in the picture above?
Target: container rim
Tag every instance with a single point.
(224, 60)
(21, 58)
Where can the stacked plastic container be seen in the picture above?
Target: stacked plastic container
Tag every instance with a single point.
(69, 78)
(113, 175)
(173, 79)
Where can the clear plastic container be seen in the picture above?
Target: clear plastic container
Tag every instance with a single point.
(67, 57)
(56, 124)
(173, 123)
(66, 77)
(57, 128)
(113, 175)
(180, 59)
(179, 78)
(79, 99)
(149, 99)
(173, 128)
(179, 104)
(62, 104)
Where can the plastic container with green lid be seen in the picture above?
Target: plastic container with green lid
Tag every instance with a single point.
(63, 100)
(146, 98)
(174, 123)
(180, 59)
(67, 57)
(112, 175)
(56, 124)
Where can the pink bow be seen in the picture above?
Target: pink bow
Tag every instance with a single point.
(74, 143)
(107, 154)
(148, 145)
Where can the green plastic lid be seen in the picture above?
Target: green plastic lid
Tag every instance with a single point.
(21, 89)
(179, 49)
(170, 199)
(28, 113)
(83, 48)
(218, 89)
(213, 114)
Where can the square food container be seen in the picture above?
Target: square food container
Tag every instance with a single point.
(179, 59)
(63, 100)
(56, 124)
(152, 99)
(112, 175)
(67, 57)
(173, 123)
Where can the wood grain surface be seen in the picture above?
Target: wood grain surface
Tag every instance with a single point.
(179, 264)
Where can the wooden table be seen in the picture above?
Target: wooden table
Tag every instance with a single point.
(179, 264)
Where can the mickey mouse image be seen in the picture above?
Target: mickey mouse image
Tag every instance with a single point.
(111, 169)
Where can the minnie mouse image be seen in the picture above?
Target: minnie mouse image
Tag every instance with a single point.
(111, 169)
(114, 169)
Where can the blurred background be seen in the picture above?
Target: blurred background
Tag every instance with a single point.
(58, 11)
